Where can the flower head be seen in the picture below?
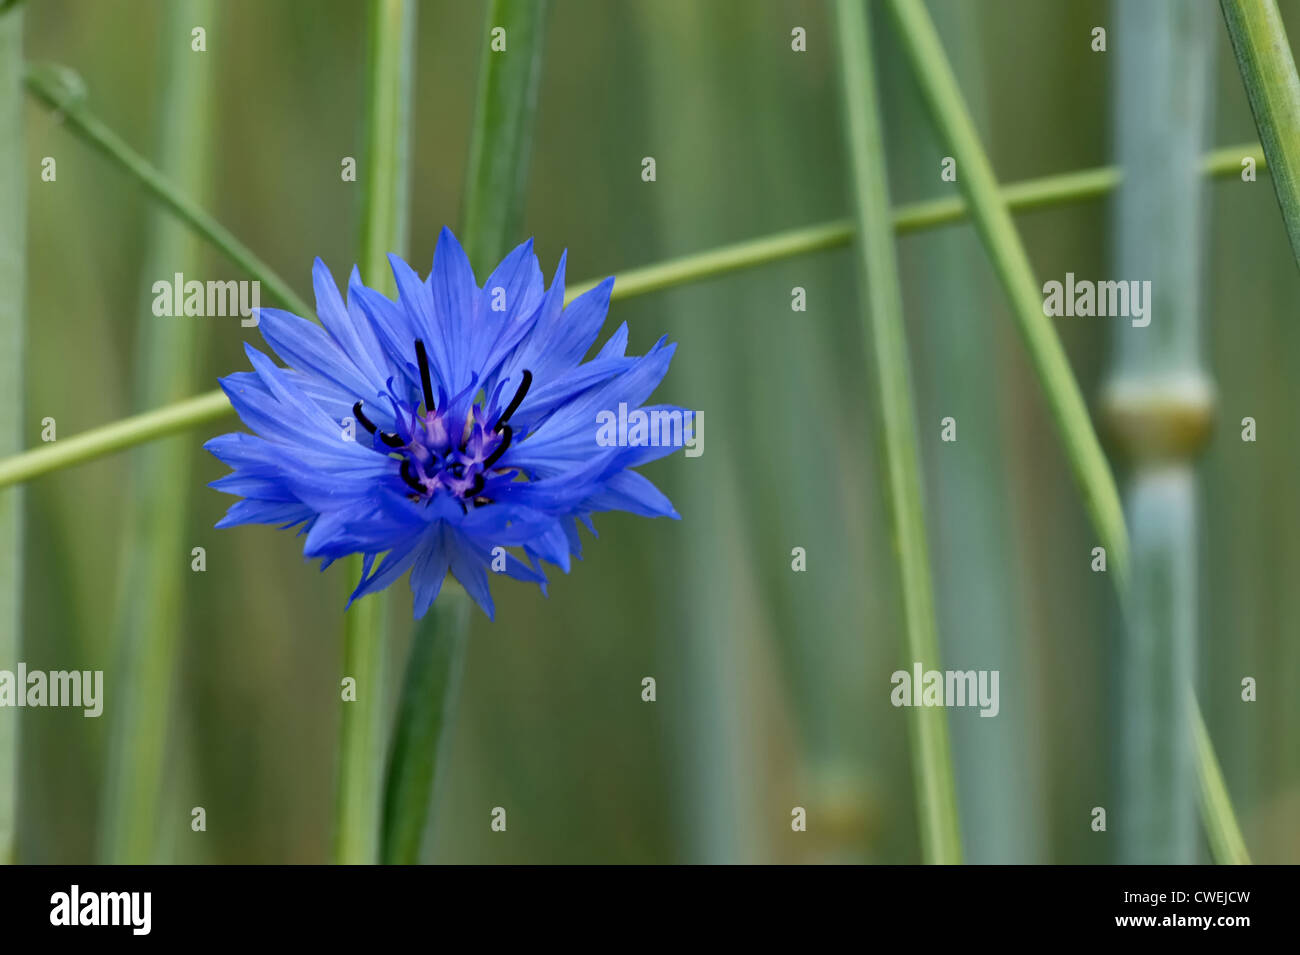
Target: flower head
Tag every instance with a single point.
(448, 430)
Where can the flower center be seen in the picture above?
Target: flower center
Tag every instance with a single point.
(437, 453)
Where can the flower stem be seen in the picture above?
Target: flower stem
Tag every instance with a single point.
(59, 89)
(385, 173)
(878, 274)
(1268, 72)
(149, 617)
(425, 715)
(13, 275)
(1032, 194)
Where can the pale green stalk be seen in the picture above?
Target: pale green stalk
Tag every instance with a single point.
(13, 277)
(213, 406)
(883, 326)
(384, 175)
(1164, 58)
(149, 618)
(1269, 75)
(1011, 263)
(59, 89)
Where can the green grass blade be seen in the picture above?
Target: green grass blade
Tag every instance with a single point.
(385, 174)
(936, 790)
(501, 139)
(430, 692)
(149, 618)
(1226, 842)
(1269, 75)
(58, 89)
(13, 276)
(1032, 194)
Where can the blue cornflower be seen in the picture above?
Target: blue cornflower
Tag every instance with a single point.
(438, 430)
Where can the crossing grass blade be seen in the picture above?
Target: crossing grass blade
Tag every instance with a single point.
(878, 272)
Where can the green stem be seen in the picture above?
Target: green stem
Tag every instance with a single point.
(13, 276)
(993, 222)
(59, 89)
(503, 129)
(430, 693)
(385, 172)
(149, 618)
(936, 789)
(1269, 75)
(1024, 196)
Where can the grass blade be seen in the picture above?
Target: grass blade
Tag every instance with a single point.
(501, 139)
(59, 89)
(1226, 842)
(386, 172)
(149, 618)
(1268, 73)
(936, 791)
(13, 276)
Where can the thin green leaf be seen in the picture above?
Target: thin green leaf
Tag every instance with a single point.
(60, 90)
(883, 326)
(1269, 75)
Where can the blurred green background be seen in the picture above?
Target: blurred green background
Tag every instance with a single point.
(773, 686)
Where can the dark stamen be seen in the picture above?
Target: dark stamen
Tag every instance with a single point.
(507, 434)
(423, 357)
(392, 440)
(515, 401)
(365, 422)
(476, 486)
(409, 478)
